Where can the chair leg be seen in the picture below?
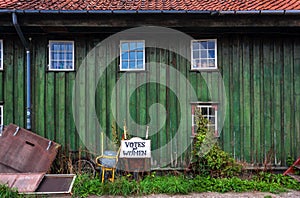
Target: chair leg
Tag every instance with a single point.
(113, 175)
(103, 174)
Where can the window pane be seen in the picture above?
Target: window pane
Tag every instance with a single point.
(211, 45)
(196, 45)
(203, 45)
(211, 111)
(54, 64)
(132, 64)
(61, 56)
(212, 120)
(211, 63)
(204, 111)
(61, 65)
(140, 55)
(203, 63)
(140, 64)
(69, 64)
(125, 65)
(125, 46)
(131, 55)
(140, 46)
(125, 56)
(54, 56)
(211, 53)
(54, 47)
(196, 63)
(61, 47)
(132, 46)
(203, 53)
(69, 56)
(69, 47)
(195, 54)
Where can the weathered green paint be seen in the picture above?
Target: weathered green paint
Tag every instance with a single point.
(260, 74)
(296, 94)
(277, 116)
(39, 54)
(9, 65)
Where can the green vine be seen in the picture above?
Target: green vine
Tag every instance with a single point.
(208, 158)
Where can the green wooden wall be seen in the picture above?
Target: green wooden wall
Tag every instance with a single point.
(260, 74)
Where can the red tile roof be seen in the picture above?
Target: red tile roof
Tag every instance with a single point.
(186, 5)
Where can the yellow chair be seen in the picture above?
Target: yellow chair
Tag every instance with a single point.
(108, 162)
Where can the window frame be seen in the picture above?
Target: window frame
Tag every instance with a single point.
(216, 53)
(50, 56)
(1, 116)
(205, 105)
(144, 56)
(1, 54)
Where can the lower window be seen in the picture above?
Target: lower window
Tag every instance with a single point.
(209, 111)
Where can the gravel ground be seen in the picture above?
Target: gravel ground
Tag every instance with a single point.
(290, 194)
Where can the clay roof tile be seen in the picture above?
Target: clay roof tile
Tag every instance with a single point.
(221, 5)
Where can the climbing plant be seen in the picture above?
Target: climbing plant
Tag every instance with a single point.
(208, 158)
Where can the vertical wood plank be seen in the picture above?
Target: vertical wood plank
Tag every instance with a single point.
(19, 81)
(235, 88)
(39, 67)
(111, 80)
(142, 104)
(152, 99)
(184, 139)
(172, 106)
(296, 95)
(100, 97)
(277, 92)
(287, 100)
(248, 152)
(8, 112)
(60, 107)
(226, 57)
(131, 84)
(50, 106)
(267, 101)
(161, 74)
(90, 127)
(256, 101)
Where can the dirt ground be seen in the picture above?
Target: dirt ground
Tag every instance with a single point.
(290, 194)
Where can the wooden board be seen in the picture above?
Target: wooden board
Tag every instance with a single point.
(23, 182)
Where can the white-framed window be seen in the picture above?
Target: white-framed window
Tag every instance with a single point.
(204, 54)
(61, 55)
(208, 111)
(1, 115)
(1, 54)
(132, 55)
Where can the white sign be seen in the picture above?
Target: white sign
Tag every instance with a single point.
(135, 148)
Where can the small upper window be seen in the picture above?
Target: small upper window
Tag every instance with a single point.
(1, 54)
(204, 54)
(132, 55)
(61, 55)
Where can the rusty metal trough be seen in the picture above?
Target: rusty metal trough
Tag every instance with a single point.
(22, 151)
(25, 157)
